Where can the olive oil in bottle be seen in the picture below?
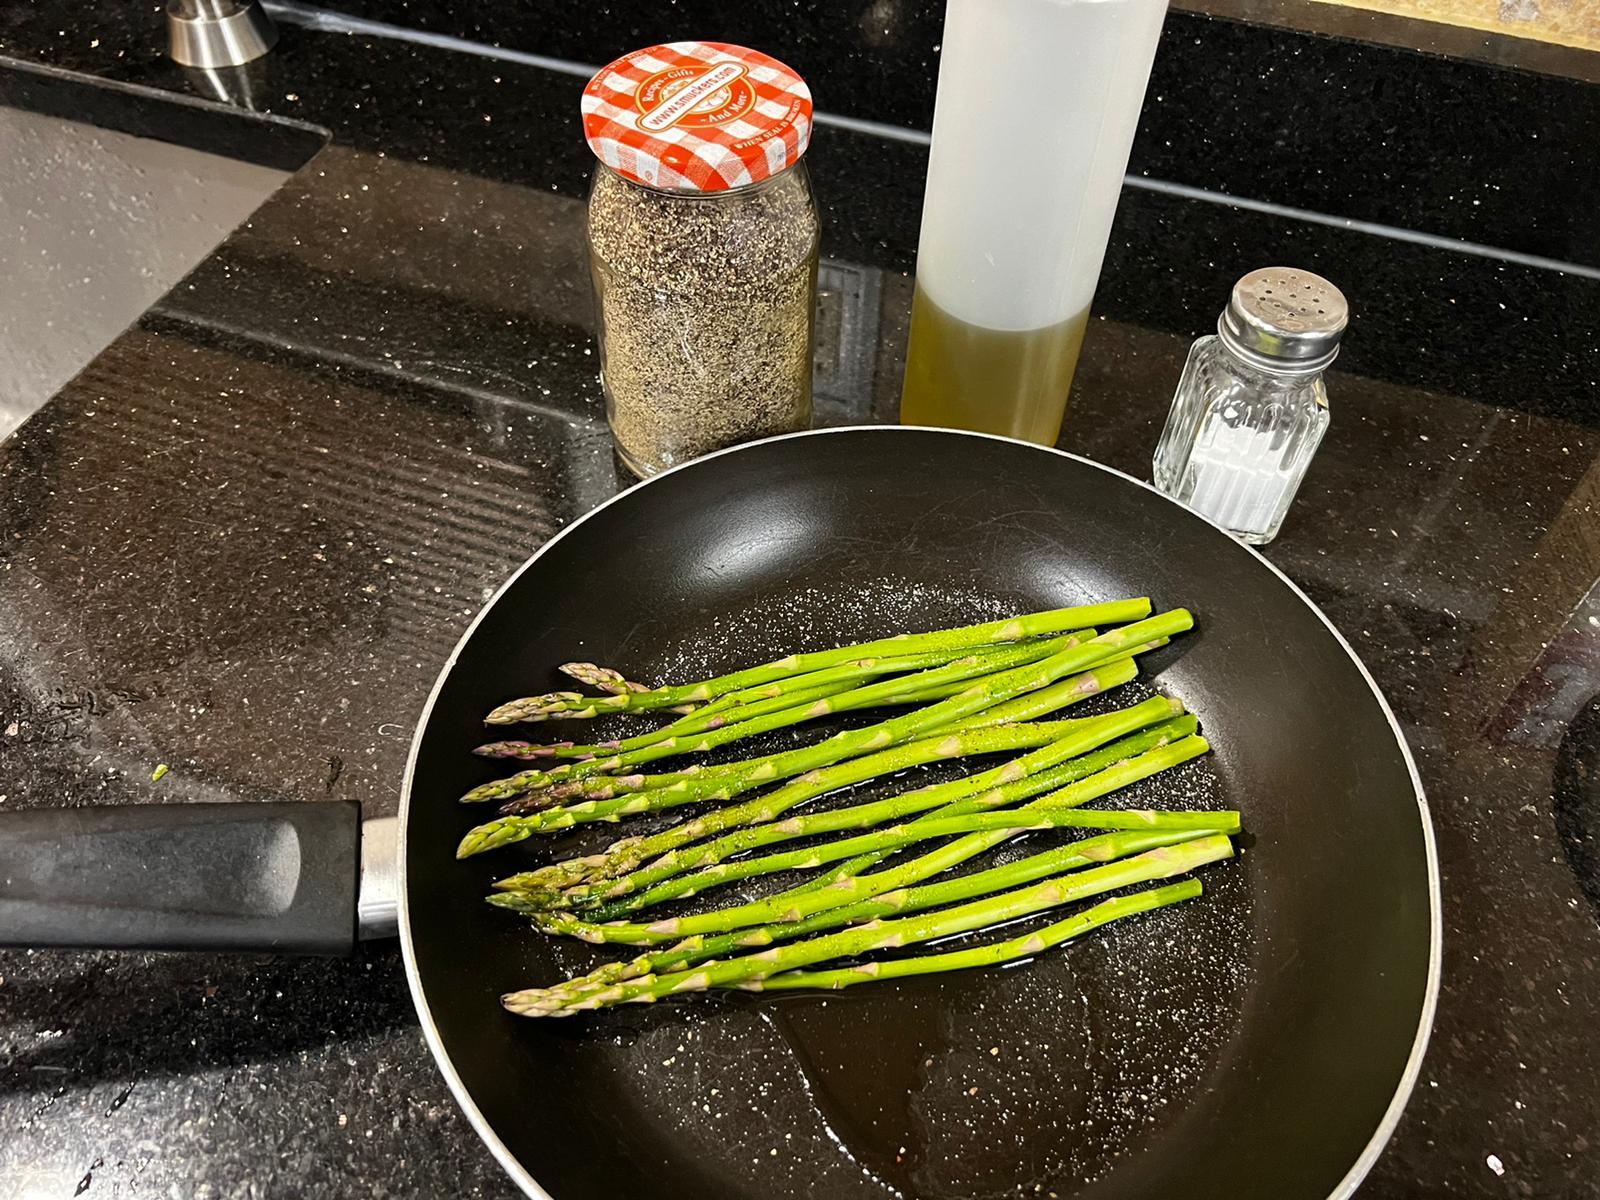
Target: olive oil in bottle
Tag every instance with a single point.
(1009, 381)
(1037, 105)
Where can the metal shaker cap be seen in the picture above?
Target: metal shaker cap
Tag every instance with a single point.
(1284, 320)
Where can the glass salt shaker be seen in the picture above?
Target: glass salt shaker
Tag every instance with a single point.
(1251, 407)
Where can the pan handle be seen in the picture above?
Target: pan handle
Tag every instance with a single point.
(280, 877)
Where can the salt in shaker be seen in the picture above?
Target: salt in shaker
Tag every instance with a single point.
(1251, 407)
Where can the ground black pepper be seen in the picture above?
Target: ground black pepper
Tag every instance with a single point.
(705, 304)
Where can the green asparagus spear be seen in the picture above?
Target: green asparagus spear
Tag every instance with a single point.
(695, 723)
(985, 693)
(604, 679)
(727, 783)
(1080, 740)
(1012, 629)
(787, 693)
(543, 793)
(1162, 863)
(1010, 950)
(1107, 847)
(798, 906)
(913, 687)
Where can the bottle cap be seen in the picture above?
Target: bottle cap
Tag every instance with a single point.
(1284, 320)
(697, 116)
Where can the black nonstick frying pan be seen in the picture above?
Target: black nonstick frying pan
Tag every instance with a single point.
(1257, 1042)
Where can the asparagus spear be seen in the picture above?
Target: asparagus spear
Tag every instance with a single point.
(724, 783)
(731, 707)
(1012, 629)
(1080, 740)
(798, 906)
(985, 693)
(600, 806)
(697, 722)
(913, 688)
(1010, 950)
(569, 778)
(507, 830)
(880, 935)
(896, 837)
(607, 787)
(1058, 695)
(1050, 862)
(604, 679)
(1106, 847)
(1045, 779)
(624, 855)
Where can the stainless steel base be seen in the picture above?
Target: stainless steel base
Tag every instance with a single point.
(218, 33)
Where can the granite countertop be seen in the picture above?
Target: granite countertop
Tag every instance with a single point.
(242, 541)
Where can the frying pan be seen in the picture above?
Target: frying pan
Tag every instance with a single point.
(1257, 1042)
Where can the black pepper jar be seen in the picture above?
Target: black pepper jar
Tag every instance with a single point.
(703, 239)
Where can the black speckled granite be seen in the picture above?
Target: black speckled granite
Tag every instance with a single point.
(1377, 133)
(242, 540)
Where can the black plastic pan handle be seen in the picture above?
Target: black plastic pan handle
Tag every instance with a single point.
(274, 877)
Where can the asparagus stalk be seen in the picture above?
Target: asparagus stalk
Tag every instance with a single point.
(1107, 847)
(604, 679)
(1080, 740)
(985, 693)
(1013, 629)
(625, 854)
(569, 778)
(758, 701)
(608, 787)
(1044, 779)
(602, 807)
(896, 837)
(1161, 863)
(799, 906)
(506, 830)
(545, 794)
(872, 666)
(697, 722)
(913, 688)
(1010, 950)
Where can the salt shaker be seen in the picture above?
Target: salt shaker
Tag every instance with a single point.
(1251, 407)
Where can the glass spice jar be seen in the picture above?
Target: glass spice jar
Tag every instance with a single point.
(703, 239)
(1251, 407)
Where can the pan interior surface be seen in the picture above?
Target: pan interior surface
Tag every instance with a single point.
(1250, 1043)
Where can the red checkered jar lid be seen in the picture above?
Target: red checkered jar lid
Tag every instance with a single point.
(697, 116)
